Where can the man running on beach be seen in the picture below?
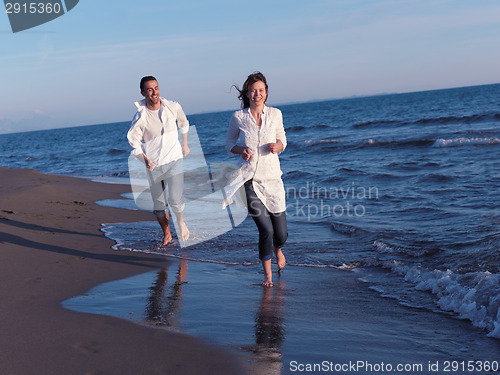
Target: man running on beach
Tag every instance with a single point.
(155, 141)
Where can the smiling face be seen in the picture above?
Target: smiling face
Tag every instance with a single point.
(151, 92)
(257, 94)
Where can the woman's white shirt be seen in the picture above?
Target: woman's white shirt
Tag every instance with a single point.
(263, 166)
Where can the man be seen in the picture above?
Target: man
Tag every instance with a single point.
(154, 140)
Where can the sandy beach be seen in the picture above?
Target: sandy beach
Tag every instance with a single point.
(51, 249)
(72, 305)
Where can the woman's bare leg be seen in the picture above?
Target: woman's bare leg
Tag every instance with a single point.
(280, 258)
(268, 274)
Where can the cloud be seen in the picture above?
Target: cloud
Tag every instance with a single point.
(38, 121)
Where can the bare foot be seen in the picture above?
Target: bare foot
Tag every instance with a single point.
(165, 226)
(267, 284)
(268, 274)
(184, 231)
(280, 258)
(166, 238)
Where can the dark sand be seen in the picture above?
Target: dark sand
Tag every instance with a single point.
(51, 249)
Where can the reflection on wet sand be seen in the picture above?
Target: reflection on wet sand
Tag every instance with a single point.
(269, 331)
(164, 305)
(164, 311)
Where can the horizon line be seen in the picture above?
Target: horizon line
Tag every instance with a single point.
(277, 104)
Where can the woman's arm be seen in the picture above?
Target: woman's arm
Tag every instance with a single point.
(277, 147)
(245, 152)
(233, 133)
(280, 143)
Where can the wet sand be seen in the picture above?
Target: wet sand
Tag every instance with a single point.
(319, 317)
(51, 249)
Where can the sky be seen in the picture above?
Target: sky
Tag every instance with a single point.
(84, 67)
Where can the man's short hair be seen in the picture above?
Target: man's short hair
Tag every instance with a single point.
(146, 79)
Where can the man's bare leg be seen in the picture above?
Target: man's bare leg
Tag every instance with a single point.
(165, 226)
(268, 274)
(184, 235)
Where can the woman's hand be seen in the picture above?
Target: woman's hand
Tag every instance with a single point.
(275, 148)
(246, 154)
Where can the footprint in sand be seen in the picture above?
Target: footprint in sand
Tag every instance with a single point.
(88, 347)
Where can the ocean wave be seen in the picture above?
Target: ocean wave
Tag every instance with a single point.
(414, 252)
(436, 177)
(313, 142)
(353, 171)
(347, 229)
(116, 174)
(299, 128)
(377, 123)
(430, 121)
(298, 174)
(327, 145)
(115, 151)
(397, 143)
(296, 128)
(463, 141)
(474, 295)
(460, 119)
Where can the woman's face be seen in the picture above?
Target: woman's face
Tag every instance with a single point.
(257, 94)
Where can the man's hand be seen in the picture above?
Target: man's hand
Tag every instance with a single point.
(150, 164)
(185, 148)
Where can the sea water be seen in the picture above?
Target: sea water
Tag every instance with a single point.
(402, 189)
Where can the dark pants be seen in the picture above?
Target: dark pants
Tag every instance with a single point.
(272, 227)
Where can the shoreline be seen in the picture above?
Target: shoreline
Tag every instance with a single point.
(52, 249)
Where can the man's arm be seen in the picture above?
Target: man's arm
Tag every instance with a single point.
(185, 147)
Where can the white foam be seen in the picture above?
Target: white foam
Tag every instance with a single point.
(319, 141)
(474, 296)
(465, 141)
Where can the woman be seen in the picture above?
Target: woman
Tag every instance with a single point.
(256, 133)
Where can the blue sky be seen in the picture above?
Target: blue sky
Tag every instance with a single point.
(84, 67)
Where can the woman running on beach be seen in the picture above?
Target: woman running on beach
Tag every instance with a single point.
(256, 133)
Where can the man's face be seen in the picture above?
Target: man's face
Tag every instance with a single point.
(151, 92)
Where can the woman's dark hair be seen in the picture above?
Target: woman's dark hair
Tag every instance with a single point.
(146, 79)
(251, 79)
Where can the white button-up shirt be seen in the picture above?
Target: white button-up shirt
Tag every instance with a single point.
(158, 140)
(263, 166)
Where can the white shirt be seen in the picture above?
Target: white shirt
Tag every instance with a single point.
(263, 166)
(154, 133)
